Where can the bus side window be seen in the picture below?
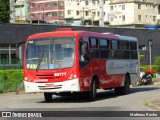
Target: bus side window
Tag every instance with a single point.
(114, 48)
(84, 56)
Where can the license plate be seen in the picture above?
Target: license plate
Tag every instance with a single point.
(41, 80)
(49, 85)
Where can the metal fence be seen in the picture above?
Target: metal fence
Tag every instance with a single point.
(10, 76)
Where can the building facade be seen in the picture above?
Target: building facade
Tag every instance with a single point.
(115, 12)
(51, 11)
(134, 12)
(88, 11)
(21, 11)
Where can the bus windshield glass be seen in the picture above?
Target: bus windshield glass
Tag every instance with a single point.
(50, 53)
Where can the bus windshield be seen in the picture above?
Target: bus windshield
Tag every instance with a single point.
(50, 53)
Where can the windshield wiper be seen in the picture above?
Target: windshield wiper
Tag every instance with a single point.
(40, 60)
(57, 62)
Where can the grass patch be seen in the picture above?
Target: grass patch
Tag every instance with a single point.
(146, 103)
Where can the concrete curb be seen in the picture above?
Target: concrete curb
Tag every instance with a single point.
(156, 83)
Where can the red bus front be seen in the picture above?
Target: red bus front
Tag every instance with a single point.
(51, 64)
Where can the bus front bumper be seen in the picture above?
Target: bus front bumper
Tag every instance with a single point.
(54, 87)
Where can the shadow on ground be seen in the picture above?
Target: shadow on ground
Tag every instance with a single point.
(144, 88)
(80, 98)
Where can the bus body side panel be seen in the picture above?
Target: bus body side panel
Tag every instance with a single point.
(103, 77)
(119, 68)
(85, 78)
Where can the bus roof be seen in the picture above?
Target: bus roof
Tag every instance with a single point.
(72, 33)
(127, 38)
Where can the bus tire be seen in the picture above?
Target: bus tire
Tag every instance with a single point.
(124, 89)
(48, 97)
(92, 93)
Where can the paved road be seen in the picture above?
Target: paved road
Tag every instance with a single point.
(107, 101)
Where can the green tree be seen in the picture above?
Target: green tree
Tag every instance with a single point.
(4, 11)
(157, 64)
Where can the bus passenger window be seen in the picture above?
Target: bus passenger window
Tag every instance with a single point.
(124, 45)
(104, 43)
(93, 42)
(133, 46)
(104, 53)
(126, 54)
(114, 45)
(134, 55)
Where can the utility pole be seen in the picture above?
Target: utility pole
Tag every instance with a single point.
(83, 16)
(150, 51)
(101, 17)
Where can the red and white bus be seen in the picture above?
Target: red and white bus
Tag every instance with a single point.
(68, 61)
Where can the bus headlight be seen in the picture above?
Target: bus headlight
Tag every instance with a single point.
(72, 76)
(27, 78)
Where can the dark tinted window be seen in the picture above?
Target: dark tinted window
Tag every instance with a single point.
(94, 53)
(117, 54)
(93, 42)
(124, 45)
(114, 44)
(126, 55)
(104, 54)
(134, 55)
(133, 46)
(103, 43)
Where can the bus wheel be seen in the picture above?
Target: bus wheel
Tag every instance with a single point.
(48, 97)
(124, 89)
(92, 93)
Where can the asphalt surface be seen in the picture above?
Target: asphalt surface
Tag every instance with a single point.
(142, 98)
(154, 103)
(106, 101)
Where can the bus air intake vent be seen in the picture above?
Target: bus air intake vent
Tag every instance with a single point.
(48, 88)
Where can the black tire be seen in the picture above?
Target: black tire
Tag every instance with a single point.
(93, 92)
(149, 81)
(124, 89)
(135, 84)
(48, 97)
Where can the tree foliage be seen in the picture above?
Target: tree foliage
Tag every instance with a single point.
(157, 64)
(4, 11)
(142, 57)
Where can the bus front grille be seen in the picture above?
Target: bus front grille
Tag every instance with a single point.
(48, 88)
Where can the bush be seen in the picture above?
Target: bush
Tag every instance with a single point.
(144, 67)
(141, 57)
(10, 79)
(157, 64)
